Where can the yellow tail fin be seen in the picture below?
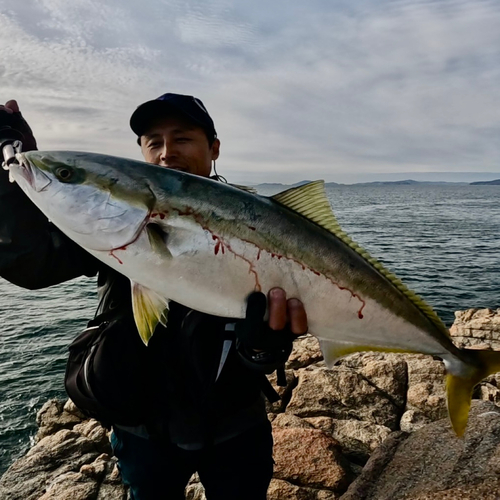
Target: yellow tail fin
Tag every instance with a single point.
(459, 389)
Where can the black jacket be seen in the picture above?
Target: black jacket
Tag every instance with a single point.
(183, 359)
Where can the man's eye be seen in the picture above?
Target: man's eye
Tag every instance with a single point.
(183, 139)
(153, 145)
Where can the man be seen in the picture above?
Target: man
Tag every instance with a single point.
(199, 405)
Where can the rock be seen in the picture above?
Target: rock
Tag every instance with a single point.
(487, 392)
(71, 408)
(341, 393)
(94, 431)
(328, 423)
(111, 486)
(357, 439)
(426, 386)
(387, 372)
(88, 484)
(306, 351)
(281, 490)
(52, 418)
(71, 485)
(477, 326)
(195, 491)
(58, 463)
(112, 492)
(432, 463)
(290, 420)
(308, 457)
(413, 420)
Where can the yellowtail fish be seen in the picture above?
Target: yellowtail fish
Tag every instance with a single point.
(207, 245)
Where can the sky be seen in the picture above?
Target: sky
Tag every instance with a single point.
(341, 90)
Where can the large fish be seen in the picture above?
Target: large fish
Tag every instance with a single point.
(207, 245)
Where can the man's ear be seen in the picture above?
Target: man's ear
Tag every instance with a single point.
(215, 149)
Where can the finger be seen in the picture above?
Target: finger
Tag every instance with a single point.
(298, 316)
(277, 309)
(12, 105)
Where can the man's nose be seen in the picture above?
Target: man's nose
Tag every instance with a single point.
(169, 150)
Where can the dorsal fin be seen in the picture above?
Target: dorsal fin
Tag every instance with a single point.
(310, 201)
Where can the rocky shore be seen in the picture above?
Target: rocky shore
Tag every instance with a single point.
(374, 426)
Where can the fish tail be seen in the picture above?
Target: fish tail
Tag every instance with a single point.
(459, 388)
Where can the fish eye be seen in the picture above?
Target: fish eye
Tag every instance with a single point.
(64, 174)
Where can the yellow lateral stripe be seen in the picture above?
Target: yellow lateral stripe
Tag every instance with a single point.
(310, 201)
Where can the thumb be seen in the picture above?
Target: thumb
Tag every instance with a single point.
(12, 104)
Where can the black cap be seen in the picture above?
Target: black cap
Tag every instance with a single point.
(187, 105)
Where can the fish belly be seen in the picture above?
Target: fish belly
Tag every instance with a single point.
(215, 275)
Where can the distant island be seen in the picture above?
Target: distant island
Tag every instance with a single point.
(406, 182)
(496, 182)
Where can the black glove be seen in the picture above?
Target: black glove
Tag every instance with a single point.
(259, 346)
(16, 121)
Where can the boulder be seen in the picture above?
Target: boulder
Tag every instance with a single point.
(281, 490)
(385, 371)
(341, 393)
(94, 431)
(432, 463)
(99, 480)
(53, 417)
(308, 457)
(357, 439)
(195, 491)
(426, 386)
(290, 420)
(306, 351)
(413, 420)
(67, 464)
(475, 327)
(70, 407)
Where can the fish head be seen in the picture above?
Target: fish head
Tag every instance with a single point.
(84, 197)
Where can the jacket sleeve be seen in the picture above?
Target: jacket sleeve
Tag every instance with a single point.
(33, 252)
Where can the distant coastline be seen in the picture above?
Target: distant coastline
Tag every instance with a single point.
(407, 182)
(495, 182)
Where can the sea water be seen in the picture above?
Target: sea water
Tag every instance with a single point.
(442, 240)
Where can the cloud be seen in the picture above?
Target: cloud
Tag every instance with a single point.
(327, 88)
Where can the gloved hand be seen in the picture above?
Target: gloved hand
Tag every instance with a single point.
(257, 343)
(10, 116)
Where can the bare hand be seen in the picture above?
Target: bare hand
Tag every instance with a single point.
(283, 311)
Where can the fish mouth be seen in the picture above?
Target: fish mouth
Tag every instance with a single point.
(36, 179)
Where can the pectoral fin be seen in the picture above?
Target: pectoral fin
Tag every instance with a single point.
(149, 309)
(158, 238)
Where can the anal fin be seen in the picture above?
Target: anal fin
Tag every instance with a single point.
(333, 350)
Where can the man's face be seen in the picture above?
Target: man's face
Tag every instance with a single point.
(176, 143)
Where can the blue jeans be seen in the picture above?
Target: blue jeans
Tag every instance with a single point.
(239, 468)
